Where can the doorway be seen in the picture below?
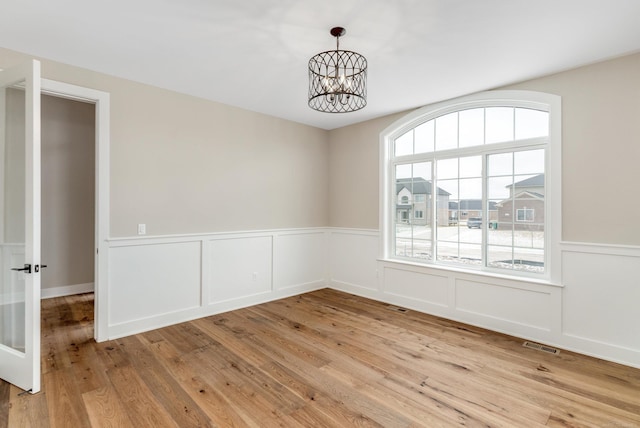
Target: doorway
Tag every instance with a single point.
(100, 101)
(67, 196)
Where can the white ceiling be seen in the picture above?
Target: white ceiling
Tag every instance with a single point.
(253, 53)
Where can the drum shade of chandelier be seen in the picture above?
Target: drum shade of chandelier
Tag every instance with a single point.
(337, 79)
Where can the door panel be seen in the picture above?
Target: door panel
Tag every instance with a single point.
(20, 226)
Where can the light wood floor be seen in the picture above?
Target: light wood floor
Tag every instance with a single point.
(321, 359)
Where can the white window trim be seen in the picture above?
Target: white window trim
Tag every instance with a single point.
(553, 173)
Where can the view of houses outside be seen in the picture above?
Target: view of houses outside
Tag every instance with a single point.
(487, 205)
(513, 219)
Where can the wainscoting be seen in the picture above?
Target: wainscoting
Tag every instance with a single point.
(158, 281)
(594, 312)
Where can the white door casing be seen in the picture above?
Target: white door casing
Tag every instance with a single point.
(101, 100)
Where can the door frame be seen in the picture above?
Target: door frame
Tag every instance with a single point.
(101, 100)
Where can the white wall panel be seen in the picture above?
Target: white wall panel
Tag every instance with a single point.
(159, 281)
(151, 280)
(239, 267)
(602, 298)
(299, 258)
(506, 304)
(353, 258)
(418, 286)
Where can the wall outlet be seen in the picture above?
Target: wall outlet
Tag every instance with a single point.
(142, 229)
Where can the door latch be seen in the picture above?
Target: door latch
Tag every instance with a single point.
(25, 269)
(36, 268)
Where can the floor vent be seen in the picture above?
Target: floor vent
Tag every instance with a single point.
(539, 347)
(398, 309)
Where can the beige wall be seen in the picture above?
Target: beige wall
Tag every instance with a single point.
(601, 151)
(353, 174)
(181, 164)
(68, 193)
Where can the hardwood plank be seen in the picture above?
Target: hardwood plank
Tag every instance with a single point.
(138, 401)
(64, 401)
(5, 389)
(324, 358)
(28, 411)
(105, 409)
(204, 394)
(165, 389)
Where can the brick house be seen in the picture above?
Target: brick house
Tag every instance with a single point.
(524, 209)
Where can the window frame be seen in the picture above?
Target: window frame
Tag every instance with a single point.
(524, 217)
(500, 98)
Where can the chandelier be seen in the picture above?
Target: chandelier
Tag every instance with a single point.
(337, 79)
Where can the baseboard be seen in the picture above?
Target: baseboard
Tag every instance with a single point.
(66, 290)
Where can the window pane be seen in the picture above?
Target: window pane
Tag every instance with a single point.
(516, 259)
(531, 123)
(470, 235)
(403, 171)
(471, 188)
(422, 170)
(467, 254)
(448, 168)
(499, 124)
(404, 239)
(500, 164)
(500, 233)
(471, 127)
(499, 188)
(529, 238)
(500, 256)
(448, 189)
(528, 183)
(404, 144)
(529, 162)
(424, 137)
(448, 250)
(447, 132)
(422, 242)
(471, 166)
(530, 260)
(413, 210)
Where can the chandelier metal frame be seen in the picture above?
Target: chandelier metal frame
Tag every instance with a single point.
(337, 79)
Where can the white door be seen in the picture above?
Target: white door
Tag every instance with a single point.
(20, 226)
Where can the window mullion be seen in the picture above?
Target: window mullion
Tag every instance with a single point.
(434, 211)
(485, 212)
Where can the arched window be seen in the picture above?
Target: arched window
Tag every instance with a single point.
(490, 163)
